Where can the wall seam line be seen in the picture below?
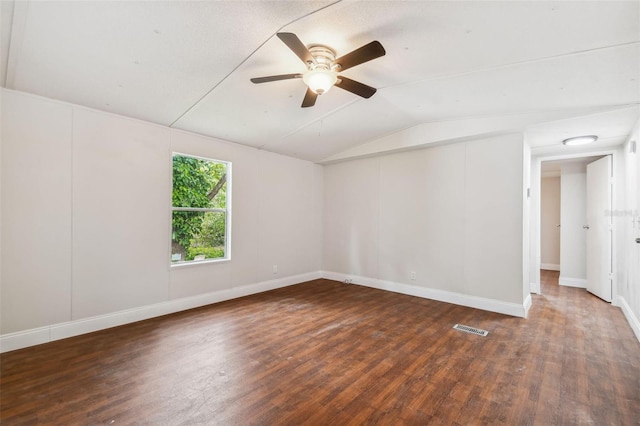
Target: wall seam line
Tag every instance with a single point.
(72, 218)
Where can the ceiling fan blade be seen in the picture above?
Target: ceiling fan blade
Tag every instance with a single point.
(355, 87)
(309, 99)
(275, 78)
(293, 42)
(361, 55)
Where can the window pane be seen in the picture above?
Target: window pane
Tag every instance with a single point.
(198, 236)
(199, 183)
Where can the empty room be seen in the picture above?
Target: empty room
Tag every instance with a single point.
(319, 212)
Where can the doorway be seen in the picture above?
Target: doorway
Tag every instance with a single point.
(565, 232)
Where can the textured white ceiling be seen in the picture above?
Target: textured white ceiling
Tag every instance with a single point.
(452, 69)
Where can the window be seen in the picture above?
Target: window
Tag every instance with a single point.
(201, 205)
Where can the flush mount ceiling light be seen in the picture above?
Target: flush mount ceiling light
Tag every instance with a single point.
(580, 140)
(323, 68)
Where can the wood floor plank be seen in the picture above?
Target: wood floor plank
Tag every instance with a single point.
(325, 352)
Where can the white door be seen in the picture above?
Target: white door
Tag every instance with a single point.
(598, 228)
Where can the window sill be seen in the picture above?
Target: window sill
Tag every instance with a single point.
(198, 262)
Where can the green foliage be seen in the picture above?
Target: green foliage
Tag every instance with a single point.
(185, 225)
(194, 179)
(208, 252)
(212, 230)
(194, 183)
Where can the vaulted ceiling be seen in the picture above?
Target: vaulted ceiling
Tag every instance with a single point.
(454, 70)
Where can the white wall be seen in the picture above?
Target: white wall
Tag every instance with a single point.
(86, 220)
(549, 221)
(36, 213)
(452, 214)
(628, 220)
(573, 239)
(121, 181)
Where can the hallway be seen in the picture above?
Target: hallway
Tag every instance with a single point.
(592, 365)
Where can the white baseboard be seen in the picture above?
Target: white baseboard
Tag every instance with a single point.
(550, 266)
(492, 305)
(36, 336)
(528, 301)
(634, 322)
(534, 288)
(572, 282)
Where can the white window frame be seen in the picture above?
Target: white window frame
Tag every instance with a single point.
(226, 211)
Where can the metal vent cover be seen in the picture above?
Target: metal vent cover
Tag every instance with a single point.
(471, 330)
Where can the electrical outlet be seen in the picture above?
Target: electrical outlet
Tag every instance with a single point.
(275, 269)
(413, 275)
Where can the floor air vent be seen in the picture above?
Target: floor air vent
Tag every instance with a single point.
(471, 330)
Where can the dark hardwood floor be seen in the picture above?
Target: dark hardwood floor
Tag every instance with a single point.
(330, 353)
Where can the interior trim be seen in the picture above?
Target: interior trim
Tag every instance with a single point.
(550, 266)
(492, 305)
(633, 321)
(572, 282)
(36, 336)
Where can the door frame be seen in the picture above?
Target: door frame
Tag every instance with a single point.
(536, 176)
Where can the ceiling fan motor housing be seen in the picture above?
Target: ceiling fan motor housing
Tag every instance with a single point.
(324, 56)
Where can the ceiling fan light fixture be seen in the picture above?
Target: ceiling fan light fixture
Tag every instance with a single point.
(323, 68)
(580, 140)
(320, 80)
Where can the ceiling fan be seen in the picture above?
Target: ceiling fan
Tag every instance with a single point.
(323, 68)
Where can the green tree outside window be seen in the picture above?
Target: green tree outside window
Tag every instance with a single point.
(200, 209)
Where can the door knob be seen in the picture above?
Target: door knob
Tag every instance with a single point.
(585, 226)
